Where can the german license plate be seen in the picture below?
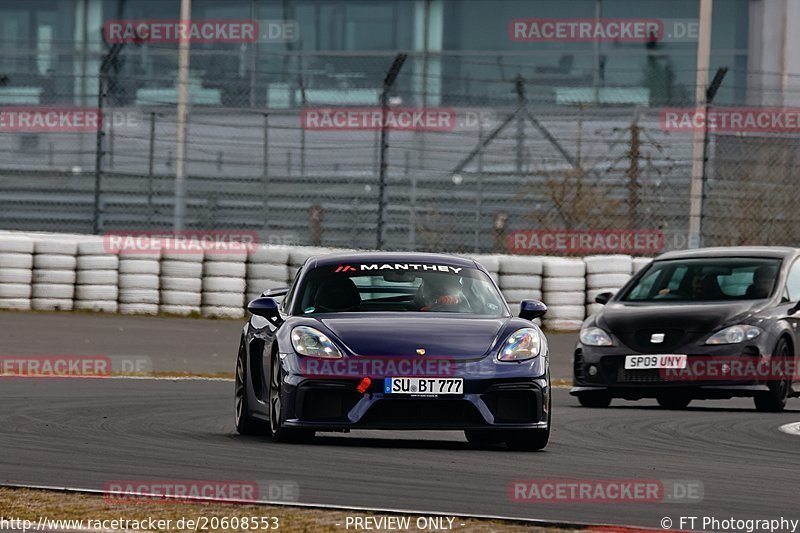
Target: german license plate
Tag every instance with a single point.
(424, 386)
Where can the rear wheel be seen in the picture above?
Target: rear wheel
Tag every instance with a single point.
(675, 401)
(276, 402)
(775, 400)
(594, 399)
(245, 424)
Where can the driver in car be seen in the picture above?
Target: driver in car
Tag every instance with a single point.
(440, 291)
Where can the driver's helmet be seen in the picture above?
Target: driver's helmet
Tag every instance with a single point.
(435, 288)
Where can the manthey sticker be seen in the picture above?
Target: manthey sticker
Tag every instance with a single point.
(397, 266)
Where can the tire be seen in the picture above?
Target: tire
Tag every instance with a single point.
(182, 310)
(226, 256)
(98, 306)
(16, 260)
(138, 281)
(181, 269)
(52, 304)
(480, 437)
(139, 296)
(275, 398)
(245, 424)
(15, 244)
(222, 312)
(137, 309)
(510, 264)
(601, 264)
(97, 277)
(224, 269)
(223, 285)
(182, 284)
(519, 281)
(16, 275)
(564, 298)
(265, 253)
(55, 246)
(594, 400)
(50, 291)
(606, 280)
(15, 304)
(223, 299)
(564, 268)
(15, 290)
(675, 401)
(183, 257)
(103, 293)
(267, 271)
(261, 285)
(565, 284)
(178, 298)
(54, 262)
(774, 401)
(139, 266)
(565, 312)
(58, 277)
(93, 247)
(517, 295)
(531, 440)
(98, 262)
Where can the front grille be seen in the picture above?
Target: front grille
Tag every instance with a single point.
(640, 340)
(512, 405)
(411, 412)
(641, 376)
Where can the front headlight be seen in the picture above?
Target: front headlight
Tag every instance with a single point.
(595, 337)
(734, 335)
(312, 343)
(521, 345)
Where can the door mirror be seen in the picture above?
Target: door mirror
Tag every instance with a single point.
(603, 297)
(264, 306)
(530, 309)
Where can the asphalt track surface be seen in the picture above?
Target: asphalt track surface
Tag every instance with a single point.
(85, 433)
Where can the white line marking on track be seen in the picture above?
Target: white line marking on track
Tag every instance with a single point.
(792, 428)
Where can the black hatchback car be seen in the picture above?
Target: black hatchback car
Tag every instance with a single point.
(709, 323)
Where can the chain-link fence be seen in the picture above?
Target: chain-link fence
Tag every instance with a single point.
(533, 150)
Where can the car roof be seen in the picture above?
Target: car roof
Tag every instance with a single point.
(777, 252)
(389, 257)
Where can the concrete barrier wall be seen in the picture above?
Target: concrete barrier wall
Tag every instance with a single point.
(65, 272)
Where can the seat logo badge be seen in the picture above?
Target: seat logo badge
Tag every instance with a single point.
(657, 338)
(420, 351)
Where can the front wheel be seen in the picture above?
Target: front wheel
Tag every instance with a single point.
(245, 424)
(277, 417)
(774, 401)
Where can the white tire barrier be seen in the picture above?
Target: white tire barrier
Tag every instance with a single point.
(226, 256)
(606, 264)
(15, 304)
(16, 275)
(556, 267)
(266, 253)
(53, 291)
(52, 304)
(96, 293)
(490, 262)
(607, 280)
(180, 298)
(16, 244)
(566, 312)
(639, 263)
(138, 281)
(138, 296)
(223, 285)
(16, 260)
(564, 284)
(184, 257)
(98, 262)
(182, 284)
(514, 264)
(55, 245)
(181, 269)
(564, 298)
(92, 246)
(224, 269)
(100, 306)
(138, 309)
(54, 262)
(223, 299)
(265, 271)
(520, 281)
(139, 266)
(182, 310)
(97, 277)
(559, 324)
(514, 296)
(15, 290)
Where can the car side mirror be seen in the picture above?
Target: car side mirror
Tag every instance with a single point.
(264, 306)
(603, 297)
(530, 309)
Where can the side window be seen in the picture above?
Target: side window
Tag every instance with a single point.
(793, 282)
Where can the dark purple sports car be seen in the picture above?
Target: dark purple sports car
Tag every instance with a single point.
(394, 341)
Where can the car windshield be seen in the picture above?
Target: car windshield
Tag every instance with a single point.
(707, 279)
(398, 287)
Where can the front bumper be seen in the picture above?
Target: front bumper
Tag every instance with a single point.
(512, 398)
(602, 369)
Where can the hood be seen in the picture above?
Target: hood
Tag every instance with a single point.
(402, 335)
(633, 323)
